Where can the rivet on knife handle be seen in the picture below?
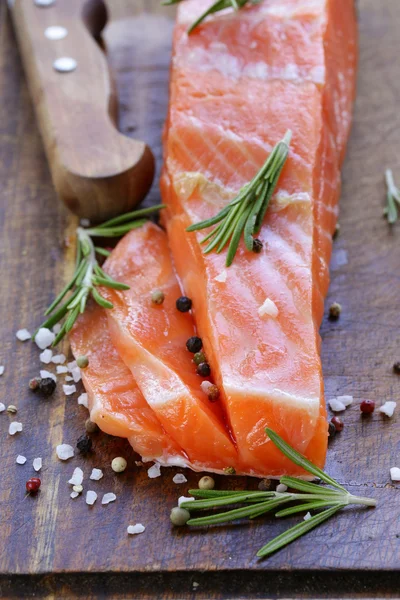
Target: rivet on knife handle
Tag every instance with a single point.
(97, 171)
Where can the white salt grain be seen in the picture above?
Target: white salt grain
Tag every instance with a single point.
(135, 529)
(83, 400)
(307, 517)
(1, 370)
(74, 494)
(179, 478)
(21, 460)
(60, 370)
(59, 359)
(77, 477)
(395, 474)
(64, 451)
(2, 407)
(388, 408)
(69, 378)
(76, 374)
(37, 464)
(268, 309)
(107, 498)
(91, 497)
(45, 374)
(221, 278)
(154, 471)
(46, 356)
(44, 338)
(182, 499)
(72, 365)
(281, 487)
(69, 389)
(346, 400)
(205, 386)
(23, 335)
(96, 474)
(57, 328)
(336, 405)
(14, 428)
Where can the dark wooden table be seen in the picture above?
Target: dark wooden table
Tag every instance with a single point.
(53, 547)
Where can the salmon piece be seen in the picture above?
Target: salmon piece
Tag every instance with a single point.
(238, 83)
(151, 340)
(115, 401)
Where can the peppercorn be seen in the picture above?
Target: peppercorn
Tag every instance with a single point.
(12, 409)
(84, 444)
(32, 485)
(199, 358)
(46, 386)
(213, 393)
(34, 383)
(82, 362)
(119, 464)
(203, 370)
(194, 344)
(257, 246)
(179, 516)
(157, 297)
(396, 368)
(335, 310)
(367, 407)
(206, 483)
(331, 430)
(264, 485)
(230, 471)
(338, 423)
(184, 304)
(91, 427)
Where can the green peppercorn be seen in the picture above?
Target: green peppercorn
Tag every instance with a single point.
(335, 310)
(206, 483)
(199, 358)
(204, 370)
(91, 427)
(184, 304)
(82, 362)
(179, 516)
(257, 246)
(230, 471)
(157, 297)
(194, 344)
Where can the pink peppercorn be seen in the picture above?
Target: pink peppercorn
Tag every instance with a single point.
(367, 406)
(33, 485)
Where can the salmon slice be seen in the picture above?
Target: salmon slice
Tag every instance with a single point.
(115, 401)
(151, 340)
(238, 83)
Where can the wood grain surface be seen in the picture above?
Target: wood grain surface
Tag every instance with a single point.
(55, 547)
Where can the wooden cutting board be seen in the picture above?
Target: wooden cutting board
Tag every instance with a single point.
(54, 547)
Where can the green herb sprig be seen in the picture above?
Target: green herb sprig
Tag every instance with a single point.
(245, 213)
(89, 275)
(310, 496)
(216, 7)
(392, 198)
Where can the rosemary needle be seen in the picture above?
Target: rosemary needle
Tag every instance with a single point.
(245, 213)
(89, 275)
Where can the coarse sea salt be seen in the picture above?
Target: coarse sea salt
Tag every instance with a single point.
(154, 471)
(37, 464)
(15, 427)
(60, 370)
(395, 474)
(281, 487)
(68, 378)
(57, 328)
(205, 386)
(21, 460)
(23, 335)
(74, 494)
(96, 474)
(76, 374)
(2, 407)
(72, 365)
(182, 499)
(69, 389)
(135, 529)
(91, 497)
(336, 405)
(64, 451)
(45, 374)
(59, 359)
(1, 370)
(46, 356)
(83, 400)
(268, 309)
(44, 338)
(388, 408)
(307, 517)
(346, 400)
(179, 478)
(109, 497)
(221, 278)
(77, 477)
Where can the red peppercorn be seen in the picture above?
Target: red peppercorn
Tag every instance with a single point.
(338, 423)
(367, 406)
(33, 485)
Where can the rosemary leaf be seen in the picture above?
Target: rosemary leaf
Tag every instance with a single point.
(102, 251)
(292, 510)
(115, 285)
(216, 7)
(221, 493)
(100, 300)
(222, 501)
(307, 486)
(392, 198)
(238, 513)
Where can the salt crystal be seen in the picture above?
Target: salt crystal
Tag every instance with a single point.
(21, 460)
(14, 428)
(57, 328)
(395, 474)
(205, 386)
(77, 477)
(281, 488)
(37, 464)
(2, 407)
(96, 474)
(69, 378)
(74, 494)
(91, 497)
(64, 451)
(83, 400)
(221, 277)
(179, 478)
(23, 335)
(45, 374)
(154, 471)
(72, 365)
(268, 309)
(388, 408)
(346, 400)
(135, 529)
(336, 405)
(69, 389)
(44, 338)
(46, 356)
(107, 498)
(307, 517)
(60, 370)
(1, 370)
(59, 359)
(76, 374)
(182, 499)
(84, 222)
(195, 585)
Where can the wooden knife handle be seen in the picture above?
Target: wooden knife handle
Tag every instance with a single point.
(97, 171)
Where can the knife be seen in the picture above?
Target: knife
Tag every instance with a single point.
(97, 171)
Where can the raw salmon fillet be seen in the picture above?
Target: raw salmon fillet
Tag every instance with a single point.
(238, 83)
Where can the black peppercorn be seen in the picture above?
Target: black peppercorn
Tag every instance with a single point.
(204, 369)
(84, 444)
(257, 246)
(47, 386)
(194, 344)
(184, 304)
(396, 368)
(331, 430)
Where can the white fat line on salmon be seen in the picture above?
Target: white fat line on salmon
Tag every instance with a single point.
(310, 403)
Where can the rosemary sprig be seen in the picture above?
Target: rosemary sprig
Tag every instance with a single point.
(256, 503)
(89, 275)
(245, 213)
(392, 197)
(216, 7)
